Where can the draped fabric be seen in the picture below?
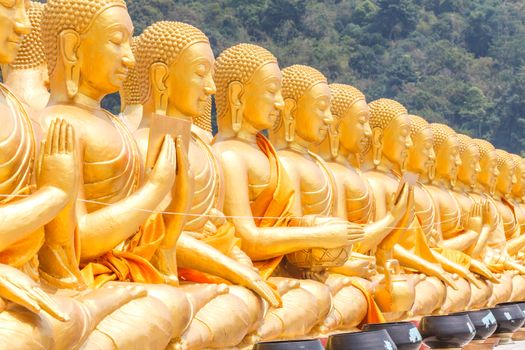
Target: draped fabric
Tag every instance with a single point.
(130, 261)
(373, 312)
(18, 154)
(272, 207)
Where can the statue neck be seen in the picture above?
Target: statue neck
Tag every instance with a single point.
(324, 150)
(247, 132)
(28, 85)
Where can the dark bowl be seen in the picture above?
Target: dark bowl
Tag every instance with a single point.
(405, 335)
(311, 344)
(521, 304)
(445, 332)
(484, 322)
(361, 340)
(509, 317)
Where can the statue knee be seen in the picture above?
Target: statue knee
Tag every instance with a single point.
(322, 295)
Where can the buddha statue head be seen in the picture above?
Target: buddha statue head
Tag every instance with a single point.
(248, 97)
(14, 24)
(306, 116)
(446, 146)
(518, 190)
(488, 163)
(88, 47)
(350, 130)
(421, 157)
(470, 157)
(390, 139)
(173, 71)
(507, 176)
(27, 74)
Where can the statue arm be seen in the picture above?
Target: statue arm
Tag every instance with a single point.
(198, 255)
(452, 267)
(514, 245)
(477, 250)
(103, 229)
(408, 259)
(20, 219)
(262, 243)
(462, 241)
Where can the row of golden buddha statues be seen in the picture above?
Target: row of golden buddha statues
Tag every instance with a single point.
(142, 231)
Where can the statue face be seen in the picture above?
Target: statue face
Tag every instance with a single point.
(397, 140)
(190, 81)
(421, 156)
(354, 128)
(313, 116)
(262, 98)
(14, 24)
(469, 169)
(505, 179)
(489, 173)
(519, 173)
(448, 159)
(105, 53)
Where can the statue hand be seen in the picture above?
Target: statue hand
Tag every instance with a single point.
(340, 233)
(57, 166)
(163, 173)
(182, 191)
(475, 219)
(18, 288)
(400, 207)
(247, 277)
(488, 218)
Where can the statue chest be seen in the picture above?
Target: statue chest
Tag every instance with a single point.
(357, 198)
(17, 145)
(111, 162)
(259, 172)
(508, 219)
(317, 187)
(425, 209)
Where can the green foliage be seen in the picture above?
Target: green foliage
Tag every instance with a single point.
(461, 62)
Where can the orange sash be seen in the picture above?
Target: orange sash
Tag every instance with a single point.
(272, 207)
(373, 312)
(132, 263)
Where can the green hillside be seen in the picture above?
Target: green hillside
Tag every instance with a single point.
(460, 62)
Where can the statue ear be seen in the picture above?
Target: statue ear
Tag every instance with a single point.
(235, 90)
(289, 119)
(377, 145)
(158, 76)
(69, 42)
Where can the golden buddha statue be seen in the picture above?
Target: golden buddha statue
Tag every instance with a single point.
(28, 315)
(518, 190)
(207, 250)
(440, 215)
(259, 195)
(347, 137)
(387, 160)
(27, 75)
(491, 246)
(114, 217)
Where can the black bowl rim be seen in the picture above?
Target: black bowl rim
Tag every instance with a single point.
(289, 341)
(400, 323)
(510, 303)
(433, 317)
(361, 332)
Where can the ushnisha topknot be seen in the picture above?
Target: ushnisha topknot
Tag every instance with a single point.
(237, 63)
(162, 42)
(297, 79)
(31, 51)
(343, 97)
(465, 142)
(383, 111)
(441, 134)
(484, 147)
(417, 124)
(504, 159)
(60, 15)
(204, 121)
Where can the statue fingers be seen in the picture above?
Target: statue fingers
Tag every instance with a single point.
(48, 305)
(62, 141)
(49, 137)
(267, 292)
(70, 139)
(56, 137)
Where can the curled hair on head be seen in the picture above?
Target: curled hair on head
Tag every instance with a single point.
(383, 111)
(343, 97)
(503, 158)
(484, 147)
(60, 15)
(441, 134)
(417, 124)
(237, 63)
(31, 51)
